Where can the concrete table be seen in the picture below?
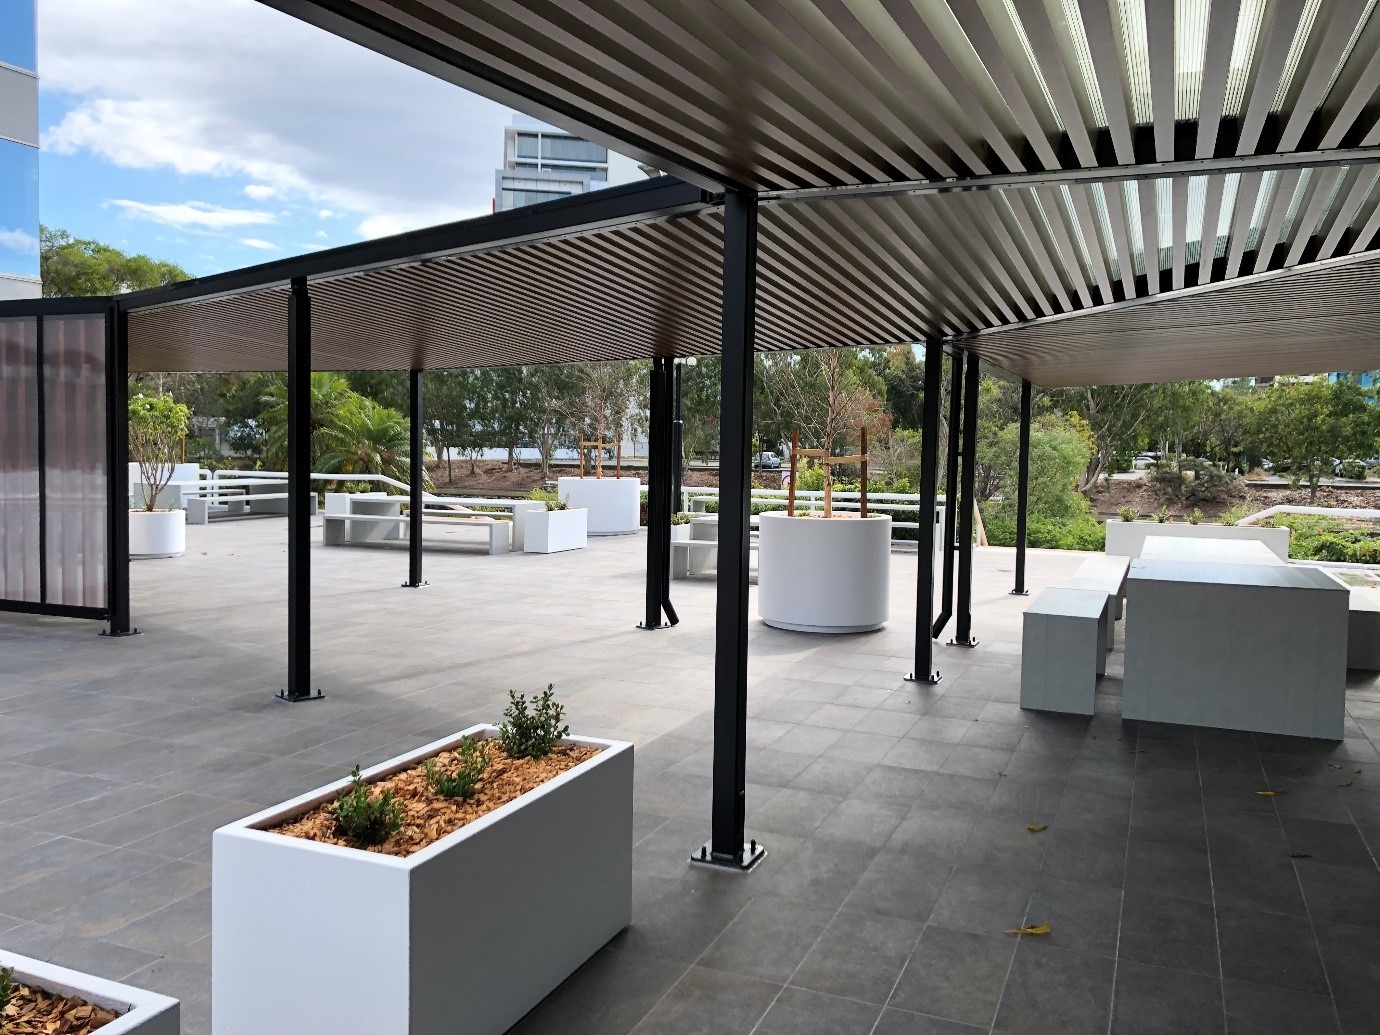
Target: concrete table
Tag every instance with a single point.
(1259, 647)
(1211, 551)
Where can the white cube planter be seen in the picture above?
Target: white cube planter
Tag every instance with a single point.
(157, 533)
(140, 1012)
(555, 531)
(614, 504)
(679, 533)
(467, 935)
(824, 575)
(1127, 538)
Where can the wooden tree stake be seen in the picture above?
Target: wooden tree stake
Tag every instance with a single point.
(795, 449)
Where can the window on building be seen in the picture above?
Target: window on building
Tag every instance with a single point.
(17, 39)
(518, 198)
(528, 145)
(18, 209)
(573, 149)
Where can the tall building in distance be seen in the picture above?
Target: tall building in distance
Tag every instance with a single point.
(541, 163)
(18, 150)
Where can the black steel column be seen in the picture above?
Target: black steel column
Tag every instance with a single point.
(963, 632)
(677, 446)
(946, 609)
(725, 847)
(299, 494)
(416, 477)
(117, 471)
(1022, 491)
(659, 480)
(924, 671)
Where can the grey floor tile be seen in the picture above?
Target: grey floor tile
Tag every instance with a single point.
(893, 785)
(1269, 949)
(983, 899)
(834, 776)
(794, 812)
(928, 755)
(1083, 917)
(859, 956)
(941, 831)
(1334, 844)
(710, 1002)
(1154, 1001)
(905, 883)
(1169, 932)
(101, 912)
(169, 930)
(802, 1012)
(1000, 843)
(823, 873)
(1244, 879)
(37, 898)
(1345, 894)
(955, 975)
(171, 977)
(1351, 955)
(1357, 1018)
(768, 939)
(861, 822)
(1095, 856)
(1053, 989)
(88, 955)
(903, 1022)
(1261, 1009)
(1158, 868)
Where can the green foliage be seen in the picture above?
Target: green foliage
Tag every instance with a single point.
(1059, 452)
(1195, 517)
(75, 266)
(157, 425)
(1354, 469)
(1232, 515)
(1127, 513)
(364, 817)
(532, 732)
(461, 781)
(681, 518)
(366, 438)
(1162, 515)
(1083, 532)
(1191, 482)
(551, 497)
(1307, 423)
(1318, 538)
(6, 987)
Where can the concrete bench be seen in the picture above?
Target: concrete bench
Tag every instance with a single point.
(336, 528)
(1103, 573)
(1061, 650)
(696, 556)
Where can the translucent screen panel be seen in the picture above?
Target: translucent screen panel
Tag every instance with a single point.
(19, 568)
(74, 415)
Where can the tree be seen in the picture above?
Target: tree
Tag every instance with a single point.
(76, 266)
(1116, 415)
(824, 393)
(1059, 452)
(330, 394)
(157, 425)
(1309, 423)
(365, 438)
(606, 401)
(549, 393)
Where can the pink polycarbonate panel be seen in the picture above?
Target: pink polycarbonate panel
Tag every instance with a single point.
(74, 416)
(19, 558)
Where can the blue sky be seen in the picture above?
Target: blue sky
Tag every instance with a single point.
(221, 133)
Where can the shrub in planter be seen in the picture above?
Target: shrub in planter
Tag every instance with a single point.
(366, 818)
(1162, 515)
(532, 732)
(38, 997)
(473, 759)
(1195, 516)
(1232, 515)
(1127, 513)
(157, 425)
(680, 519)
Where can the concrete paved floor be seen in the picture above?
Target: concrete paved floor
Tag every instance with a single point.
(895, 814)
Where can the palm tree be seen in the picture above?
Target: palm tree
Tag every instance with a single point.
(331, 395)
(366, 438)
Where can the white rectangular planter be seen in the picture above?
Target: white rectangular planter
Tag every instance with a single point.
(555, 531)
(467, 935)
(1127, 538)
(141, 1013)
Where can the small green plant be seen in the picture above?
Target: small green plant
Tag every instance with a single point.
(680, 519)
(366, 818)
(560, 503)
(461, 781)
(1195, 516)
(157, 426)
(6, 987)
(532, 733)
(1232, 515)
(1162, 515)
(1127, 513)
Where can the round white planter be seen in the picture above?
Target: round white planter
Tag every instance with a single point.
(824, 575)
(159, 533)
(613, 503)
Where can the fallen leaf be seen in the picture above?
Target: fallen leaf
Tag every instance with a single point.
(1357, 772)
(1298, 855)
(1001, 774)
(1331, 766)
(1347, 784)
(1043, 928)
(1270, 794)
(1037, 828)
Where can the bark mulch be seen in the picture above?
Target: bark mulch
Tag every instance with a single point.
(428, 816)
(32, 1011)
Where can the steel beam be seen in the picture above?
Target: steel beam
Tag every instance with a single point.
(117, 471)
(963, 631)
(1022, 491)
(946, 609)
(924, 671)
(299, 495)
(416, 478)
(726, 847)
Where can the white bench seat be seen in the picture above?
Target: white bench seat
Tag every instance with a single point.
(693, 556)
(1103, 573)
(336, 527)
(1061, 650)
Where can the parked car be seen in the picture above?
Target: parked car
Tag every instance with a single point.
(766, 461)
(1144, 461)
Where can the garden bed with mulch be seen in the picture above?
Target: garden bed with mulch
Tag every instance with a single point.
(32, 1011)
(429, 816)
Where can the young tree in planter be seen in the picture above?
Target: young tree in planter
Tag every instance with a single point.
(157, 424)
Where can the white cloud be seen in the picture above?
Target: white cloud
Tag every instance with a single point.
(234, 89)
(258, 242)
(194, 215)
(20, 241)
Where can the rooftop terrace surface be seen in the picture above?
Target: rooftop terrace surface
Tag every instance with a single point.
(894, 814)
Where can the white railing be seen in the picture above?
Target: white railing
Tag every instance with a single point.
(1344, 514)
(237, 478)
(695, 499)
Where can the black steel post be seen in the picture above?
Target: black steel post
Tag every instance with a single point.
(946, 608)
(725, 847)
(963, 632)
(659, 476)
(678, 445)
(299, 495)
(924, 671)
(1022, 491)
(117, 471)
(416, 480)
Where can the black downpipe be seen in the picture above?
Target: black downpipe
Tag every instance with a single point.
(117, 471)
(1022, 491)
(946, 609)
(416, 481)
(963, 633)
(924, 671)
